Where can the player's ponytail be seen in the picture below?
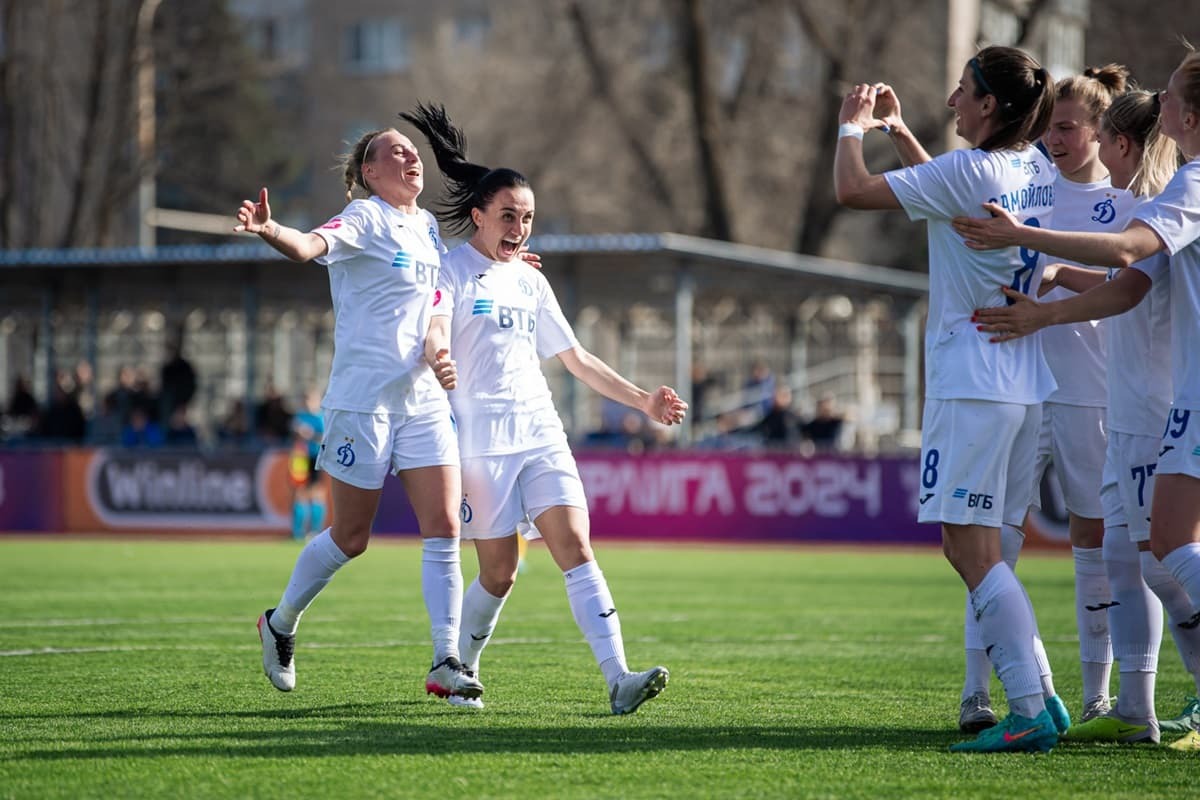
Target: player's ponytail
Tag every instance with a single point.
(468, 185)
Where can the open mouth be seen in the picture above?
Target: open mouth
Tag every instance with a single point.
(508, 248)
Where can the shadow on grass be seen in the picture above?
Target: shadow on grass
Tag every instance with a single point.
(421, 729)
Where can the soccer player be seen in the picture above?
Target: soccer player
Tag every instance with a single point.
(1171, 223)
(502, 317)
(982, 406)
(1073, 416)
(1139, 396)
(384, 410)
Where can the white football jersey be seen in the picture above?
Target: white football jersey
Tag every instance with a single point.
(383, 270)
(960, 362)
(1139, 351)
(1077, 353)
(1175, 216)
(504, 320)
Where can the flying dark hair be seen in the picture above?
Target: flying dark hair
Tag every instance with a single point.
(468, 185)
(1024, 95)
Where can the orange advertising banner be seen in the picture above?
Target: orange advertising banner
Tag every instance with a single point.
(155, 491)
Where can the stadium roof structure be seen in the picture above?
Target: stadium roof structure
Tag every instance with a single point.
(681, 277)
(667, 244)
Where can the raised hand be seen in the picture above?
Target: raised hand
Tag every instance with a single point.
(445, 369)
(887, 107)
(859, 107)
(254, 217)
(665, 406)
(1023, 317)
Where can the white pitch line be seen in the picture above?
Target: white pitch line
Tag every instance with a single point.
(784, 638)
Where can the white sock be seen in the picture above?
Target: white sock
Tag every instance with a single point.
(978, 676)
(315, 567)
(1184, 564)
(1136, 698)
(480, 613)
(596, 615)
(1045, 674)
(1179, 608)
(1012, 539)
(1092, 599)
(1135, 620)
(1007, 627)
(441, 586)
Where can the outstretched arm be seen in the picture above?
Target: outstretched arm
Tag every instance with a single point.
(296, 245)
(663, 405)
(1138, 241)
(1027, 315)
(1077, 279)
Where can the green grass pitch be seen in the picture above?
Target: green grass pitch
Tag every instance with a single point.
(132, 669)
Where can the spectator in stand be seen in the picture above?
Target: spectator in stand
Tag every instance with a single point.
(104, 428)
(729, 435)
(780, 427)
(180, 432)
(141, 430)
(702, 383)
(64, 420)
(233, 430)
(272, 418)
(144, 396)
(122, 399)
(759, 388)
(178, 381)
(85, 387)
(21, 417)
(824, 430)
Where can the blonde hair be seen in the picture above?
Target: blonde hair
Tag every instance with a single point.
(352, 162)
(1134, 115)
(1189, 70)
(1095, 88)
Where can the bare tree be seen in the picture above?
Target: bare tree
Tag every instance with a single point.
(68, 160)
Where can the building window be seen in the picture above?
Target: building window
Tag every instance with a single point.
(375, 47)
(277, 33)
(998, 24)
(1064, 46)
(471, 32)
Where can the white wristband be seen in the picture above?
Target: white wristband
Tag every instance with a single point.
(849, 129)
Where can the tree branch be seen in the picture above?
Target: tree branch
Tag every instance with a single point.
(602, 84)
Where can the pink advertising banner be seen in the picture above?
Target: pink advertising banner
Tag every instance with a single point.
(763, 497)
(703, 496)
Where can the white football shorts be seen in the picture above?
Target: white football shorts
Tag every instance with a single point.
(1075, 439)
(1129, 482)
(503, 492)
(361, 449)
(976, 460)
(1179, 450)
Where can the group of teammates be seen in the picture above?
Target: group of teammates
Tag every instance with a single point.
(400, 303)
(389, 274)
(1000, 406)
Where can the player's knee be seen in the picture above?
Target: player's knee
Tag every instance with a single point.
(1160, 548)
(352, 541)
(442, 525)
(498, 579)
